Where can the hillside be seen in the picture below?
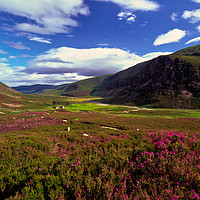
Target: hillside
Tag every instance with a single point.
(31, 89)
(171, 81)
(79, 88)
(12, 101)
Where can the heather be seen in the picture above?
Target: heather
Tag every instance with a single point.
(100, 156)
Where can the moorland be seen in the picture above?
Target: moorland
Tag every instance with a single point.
(96, 151)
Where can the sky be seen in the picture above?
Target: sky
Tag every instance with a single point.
(63, 41)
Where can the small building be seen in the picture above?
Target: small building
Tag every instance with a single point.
(55, 107)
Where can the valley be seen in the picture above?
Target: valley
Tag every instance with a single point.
(105, 137)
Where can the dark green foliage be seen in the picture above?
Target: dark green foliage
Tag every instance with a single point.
(63, 103)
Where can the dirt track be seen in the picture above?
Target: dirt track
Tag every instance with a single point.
(22, 124)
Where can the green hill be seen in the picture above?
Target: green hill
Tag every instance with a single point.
(167, 81)
(190, 51)
(79, 88)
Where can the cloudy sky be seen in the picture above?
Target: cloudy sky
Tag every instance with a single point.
(62, 41)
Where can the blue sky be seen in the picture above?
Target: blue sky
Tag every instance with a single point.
(62, 41)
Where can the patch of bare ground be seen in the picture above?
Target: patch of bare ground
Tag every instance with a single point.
(22, 124)
(12, 105)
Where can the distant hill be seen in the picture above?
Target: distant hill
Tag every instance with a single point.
(171, 81)
(31, 89)
(79, 88)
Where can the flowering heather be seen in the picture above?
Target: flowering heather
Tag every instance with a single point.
(132, 161)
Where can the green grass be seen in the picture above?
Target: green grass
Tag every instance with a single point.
(133, 111)
(194, 60)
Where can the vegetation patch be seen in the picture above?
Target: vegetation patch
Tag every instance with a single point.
(142, 158)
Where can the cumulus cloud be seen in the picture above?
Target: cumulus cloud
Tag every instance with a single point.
(197, 39)
(126, 15)
(174, 35)
(193, 16)
(65, 65)
(145, 5)
(46, 16)
(86, 62)
(174, 17)
(39, 39)
(17, 45)
(13, 76)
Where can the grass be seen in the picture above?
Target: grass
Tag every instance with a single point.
(81, 106)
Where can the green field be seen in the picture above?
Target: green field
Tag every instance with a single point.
(95, 151)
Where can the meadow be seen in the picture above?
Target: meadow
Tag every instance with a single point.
(94, 151)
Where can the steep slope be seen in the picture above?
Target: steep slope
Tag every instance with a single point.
(13, 101)
(79, 88)
(171, 81)
(4, 89)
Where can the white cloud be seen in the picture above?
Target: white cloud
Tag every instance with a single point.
(3, 60)
(174, 35)
(86, 62)
(155, 54)
(126, 15)
(47, 16)
(39, 39)
(193, 15)
(145, 5)
(13, 76)
(12, 57)
(65, 65)
(197, 39)
(174, 17)
(197, 1)
(103, 44)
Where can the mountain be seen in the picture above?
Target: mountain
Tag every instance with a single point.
(79, 88)
(31, 89)
(171, 81)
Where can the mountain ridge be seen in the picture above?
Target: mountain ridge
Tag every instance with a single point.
(36, 88)
(166, 81)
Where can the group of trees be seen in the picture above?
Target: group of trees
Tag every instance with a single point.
(64, 103)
